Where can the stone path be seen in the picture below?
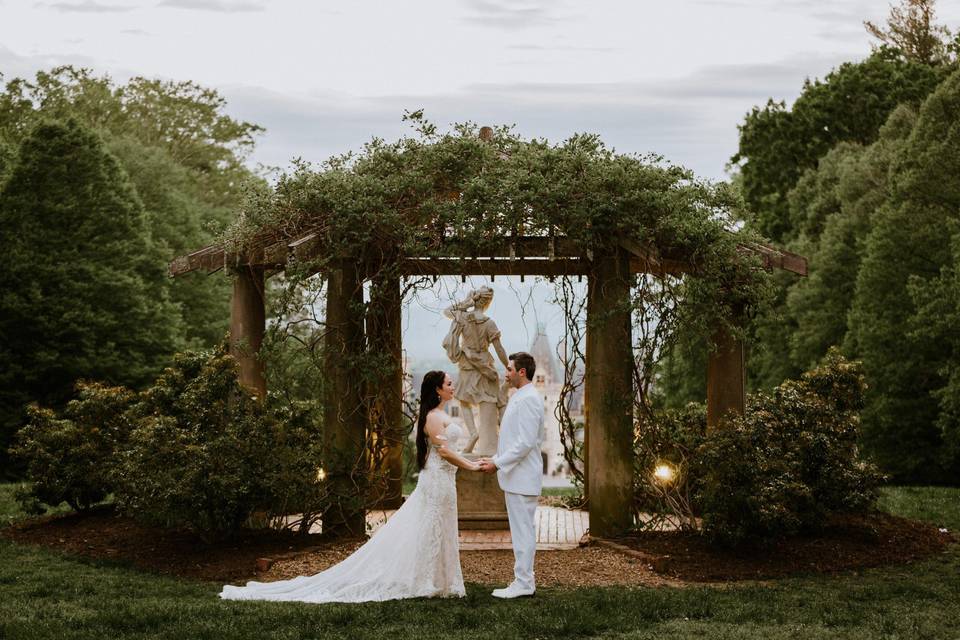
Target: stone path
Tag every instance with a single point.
(557, 529)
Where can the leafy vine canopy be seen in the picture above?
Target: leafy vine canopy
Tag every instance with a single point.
(454, 194)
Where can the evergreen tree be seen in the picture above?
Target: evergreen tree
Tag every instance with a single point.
(857, 183)
(937, 320)
(184, 156)
(82, 291)
(908, 246)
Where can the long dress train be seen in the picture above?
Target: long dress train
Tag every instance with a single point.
(414, 554)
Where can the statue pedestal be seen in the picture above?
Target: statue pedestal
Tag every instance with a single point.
(480, 500)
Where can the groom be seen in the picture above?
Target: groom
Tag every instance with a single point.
(519, 466)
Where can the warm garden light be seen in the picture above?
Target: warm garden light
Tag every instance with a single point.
(321, 475)
(663, 473)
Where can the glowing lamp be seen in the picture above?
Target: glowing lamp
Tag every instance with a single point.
(321, 475)
(663, 473)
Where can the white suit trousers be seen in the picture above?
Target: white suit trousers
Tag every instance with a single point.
(522, 513)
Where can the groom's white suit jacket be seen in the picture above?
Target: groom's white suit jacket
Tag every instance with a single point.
(518, 460)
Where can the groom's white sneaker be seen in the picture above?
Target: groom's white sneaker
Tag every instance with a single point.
(513, 591)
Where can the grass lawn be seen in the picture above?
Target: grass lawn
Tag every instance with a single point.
(47, 595)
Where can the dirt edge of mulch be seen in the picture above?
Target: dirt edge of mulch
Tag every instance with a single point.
(847, 543)
(651, 558)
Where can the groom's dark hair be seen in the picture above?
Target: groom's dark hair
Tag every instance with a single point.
(523, 360)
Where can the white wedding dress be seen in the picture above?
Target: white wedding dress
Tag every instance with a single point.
(415, 554)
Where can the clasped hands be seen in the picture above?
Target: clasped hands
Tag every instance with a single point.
(485, 465)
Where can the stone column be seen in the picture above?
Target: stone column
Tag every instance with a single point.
(247, 324)
(609, 385)
(345, 419)
(385, 341)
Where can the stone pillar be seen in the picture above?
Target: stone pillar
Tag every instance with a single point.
(726, 378)
(247, 323)
(345, 421)
(609, 383)
(385, 340)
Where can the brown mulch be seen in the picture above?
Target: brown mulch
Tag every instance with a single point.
(847, 543)
(642, 559)
(103, 535)
(584, 567)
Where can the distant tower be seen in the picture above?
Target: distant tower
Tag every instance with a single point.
(548, 379)
(548, 369)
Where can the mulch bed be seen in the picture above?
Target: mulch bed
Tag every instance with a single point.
(103, 535)
(847, 543)
(648, 558)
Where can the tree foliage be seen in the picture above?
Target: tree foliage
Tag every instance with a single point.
(183, 154)
(912, 31)
(908, 247)
(778, 144)
(181, 161)
(82, 283)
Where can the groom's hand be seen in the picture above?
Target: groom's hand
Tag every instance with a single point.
(487, 466)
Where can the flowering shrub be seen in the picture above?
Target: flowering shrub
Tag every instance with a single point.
(205, 454)
(791, 461)
(194, 450)
(70, 458)
(666, 480)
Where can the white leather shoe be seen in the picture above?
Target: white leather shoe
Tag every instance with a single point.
(513, 591)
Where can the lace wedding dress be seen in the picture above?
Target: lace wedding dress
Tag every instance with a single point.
(414, 554)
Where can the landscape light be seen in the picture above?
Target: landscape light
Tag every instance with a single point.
(663, 473)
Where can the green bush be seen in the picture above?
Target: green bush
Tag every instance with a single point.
(669, 440)
(206, 455)
(70, 458)
(791, 461)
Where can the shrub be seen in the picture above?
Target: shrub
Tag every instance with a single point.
(70, 458)
(205, 454)
(668, 441)
(790, 461)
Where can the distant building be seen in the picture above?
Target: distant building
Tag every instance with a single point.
(548, 378)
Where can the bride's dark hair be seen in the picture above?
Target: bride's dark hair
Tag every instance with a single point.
(429, 400)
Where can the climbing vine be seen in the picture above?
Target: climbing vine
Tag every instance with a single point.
(452, 194)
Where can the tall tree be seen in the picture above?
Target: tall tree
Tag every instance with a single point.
(777, 144)
(912, 31)
(937, 321)
(856, 180)
(82, 291)
(908, 244)
(183, 153)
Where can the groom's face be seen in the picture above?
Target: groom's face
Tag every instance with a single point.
(513, 376)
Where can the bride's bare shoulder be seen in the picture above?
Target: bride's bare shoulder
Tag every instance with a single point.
(437, 422)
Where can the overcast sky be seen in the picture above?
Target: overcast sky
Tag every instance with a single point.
(673, 78)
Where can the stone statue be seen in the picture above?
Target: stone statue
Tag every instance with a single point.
(479, 387)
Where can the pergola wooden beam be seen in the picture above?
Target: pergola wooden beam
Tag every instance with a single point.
(513, 256)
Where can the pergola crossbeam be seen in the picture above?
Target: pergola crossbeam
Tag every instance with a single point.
(527, 255)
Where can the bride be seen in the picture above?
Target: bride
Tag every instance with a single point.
(415, 553)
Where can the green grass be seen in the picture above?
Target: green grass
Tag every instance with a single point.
(559, 491)
(47, 595)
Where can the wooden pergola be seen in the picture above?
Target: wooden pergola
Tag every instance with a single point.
(608, 388)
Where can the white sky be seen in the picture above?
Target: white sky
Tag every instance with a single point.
(673, 78)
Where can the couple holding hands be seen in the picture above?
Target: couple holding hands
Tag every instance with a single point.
(416, 552)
